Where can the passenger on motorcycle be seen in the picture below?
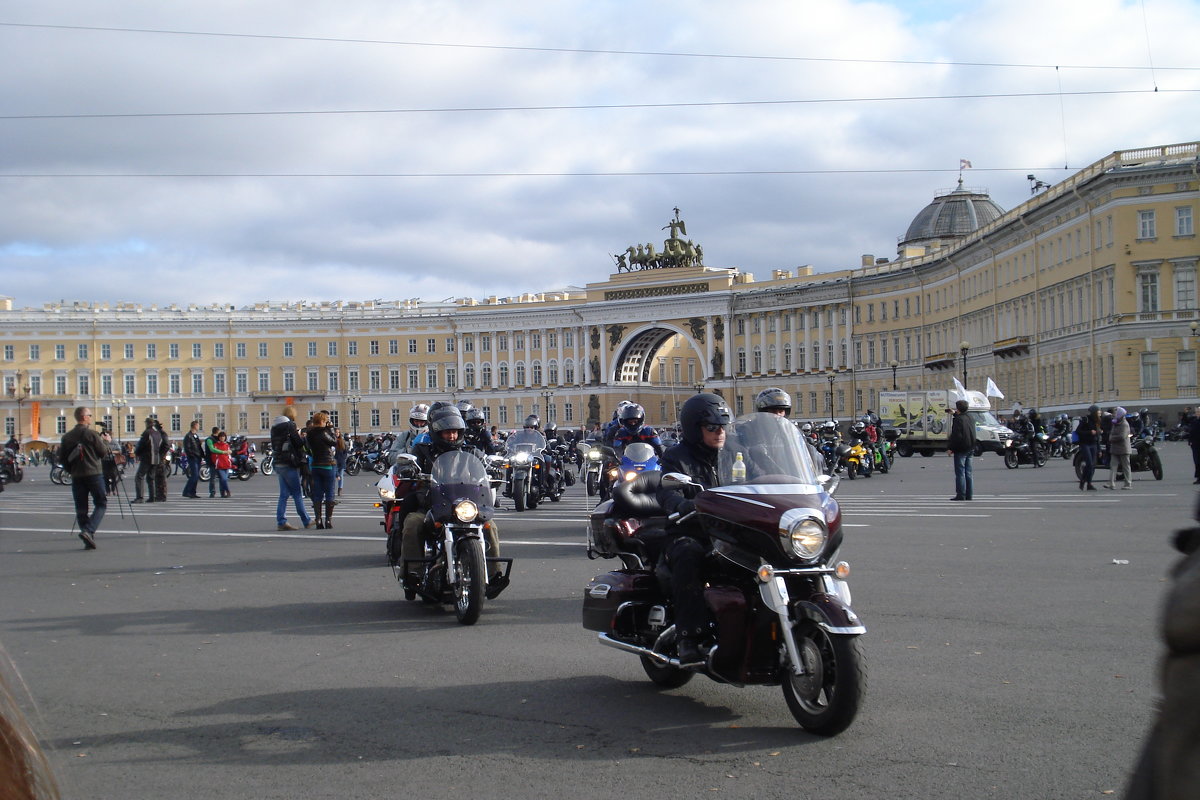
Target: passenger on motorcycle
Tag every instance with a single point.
(703, 421)
(477, 432)
(632, 430)
(447, 431)
(418, 418)
(778, 402)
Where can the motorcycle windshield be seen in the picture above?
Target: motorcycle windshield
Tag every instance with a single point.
(527, 440)
(769, 445)
(639, 454)
(459, 476)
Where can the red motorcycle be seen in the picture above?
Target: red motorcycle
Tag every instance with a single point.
(776, 591)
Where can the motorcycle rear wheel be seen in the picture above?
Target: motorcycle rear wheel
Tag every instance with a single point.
(1156, 466)
(205, 472)
(662, 675)
(469, 588)
(826, 700)
(244, 474)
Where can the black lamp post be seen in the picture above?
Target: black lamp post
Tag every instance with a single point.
(354, 400)
(19, 393)
(894, 364)
(830, 375)
(963, 347)
(699, 387)
(547, 396)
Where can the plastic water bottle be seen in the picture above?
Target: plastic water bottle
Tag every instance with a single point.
(739, 469)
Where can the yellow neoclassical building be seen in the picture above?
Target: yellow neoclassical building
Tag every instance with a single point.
(1084, 293)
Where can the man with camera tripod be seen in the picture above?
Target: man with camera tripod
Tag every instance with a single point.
(83, 451)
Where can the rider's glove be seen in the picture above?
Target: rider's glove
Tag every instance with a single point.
(685, 508)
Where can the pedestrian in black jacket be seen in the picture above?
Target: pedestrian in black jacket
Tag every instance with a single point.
(962, 446)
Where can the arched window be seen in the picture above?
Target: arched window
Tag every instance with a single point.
(552, 373)
(741, 361)
(485, 377)
(757, 357)
(535, 373)
(502, 375)
(519, 374)
(772, 359)
(787, 358)
(468, 376)
(568, 372)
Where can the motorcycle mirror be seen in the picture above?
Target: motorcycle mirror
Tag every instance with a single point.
(676, 480)
(829, 483)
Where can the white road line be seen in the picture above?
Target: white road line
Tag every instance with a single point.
(282, 535)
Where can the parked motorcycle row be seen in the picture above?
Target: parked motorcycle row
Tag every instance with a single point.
(855, 455)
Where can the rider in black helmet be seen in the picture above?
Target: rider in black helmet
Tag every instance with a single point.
(447, 431)
(703, 421)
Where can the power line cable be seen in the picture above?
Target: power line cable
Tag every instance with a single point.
(596, 106)
(584, 51)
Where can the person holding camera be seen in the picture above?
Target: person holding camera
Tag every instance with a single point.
(83, 452)
(323, 444)
(290, 458)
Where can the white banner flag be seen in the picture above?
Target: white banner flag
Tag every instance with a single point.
(993, 390)
(960, 390)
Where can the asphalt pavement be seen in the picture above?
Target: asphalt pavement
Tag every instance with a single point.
(197, 652)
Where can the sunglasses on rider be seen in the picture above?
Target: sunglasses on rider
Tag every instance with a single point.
(713, 428)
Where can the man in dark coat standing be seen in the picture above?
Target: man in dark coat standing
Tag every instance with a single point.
(962, 447)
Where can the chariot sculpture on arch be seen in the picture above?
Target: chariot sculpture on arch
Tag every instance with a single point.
(676, 252)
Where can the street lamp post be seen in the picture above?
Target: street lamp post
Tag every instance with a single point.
(894, 364)
(547, 395)
(830, 375)
(19, 393)
(963, 347)
(699, 387)
(354, 400)
(119, 403)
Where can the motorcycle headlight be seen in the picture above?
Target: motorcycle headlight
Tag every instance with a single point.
(520, 458)
(593, 456)
(466, 511)
(631, 475)
(387, 494)
(802, 533)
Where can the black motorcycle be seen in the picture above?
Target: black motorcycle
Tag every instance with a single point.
(523, 468)
(1144, 458)
(778, 597)
(454, 569)
(1026, 449)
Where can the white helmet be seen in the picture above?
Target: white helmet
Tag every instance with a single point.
(418, 418)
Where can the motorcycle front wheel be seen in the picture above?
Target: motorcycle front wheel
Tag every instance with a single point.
(1039, 455)
(592, 484)
(468, 589)
(268, 466)
(1156, 466)
(205, 472)
(353, 466)
(1010, 458)
(826, 699)
(520, 493)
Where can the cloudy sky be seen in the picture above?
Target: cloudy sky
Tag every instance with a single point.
(247, 150)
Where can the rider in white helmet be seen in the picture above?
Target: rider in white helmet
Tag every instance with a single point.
(418, 419)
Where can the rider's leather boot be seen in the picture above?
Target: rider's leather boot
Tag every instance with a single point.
(317, 514)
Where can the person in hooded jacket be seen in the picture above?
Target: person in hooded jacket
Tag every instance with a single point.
(704, 421)
(289, 456)
(447, 432)
(1119, 449)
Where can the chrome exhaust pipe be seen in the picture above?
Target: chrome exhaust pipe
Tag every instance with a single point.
(638, 650)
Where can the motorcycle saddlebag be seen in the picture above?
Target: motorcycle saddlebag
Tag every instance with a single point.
(605, 594)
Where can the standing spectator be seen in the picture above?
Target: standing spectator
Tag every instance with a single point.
(209, 454)
(289, 455)
(13, 444)
(149, 450)
(1119, 448)
(164, 467)
(1193, 439)
(323, 444)
(1088, 433)
(962, 447)
(343, 453)
(222, 462)
(193, 450)
(82, 452)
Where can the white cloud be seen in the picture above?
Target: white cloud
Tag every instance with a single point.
(241, 239)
